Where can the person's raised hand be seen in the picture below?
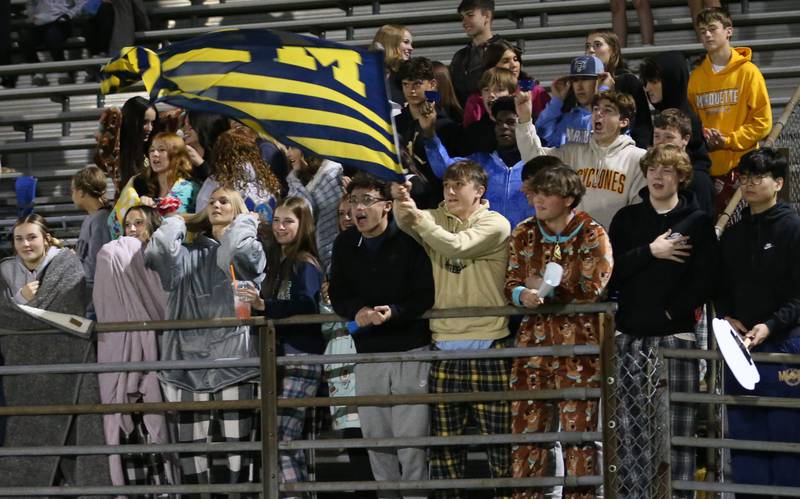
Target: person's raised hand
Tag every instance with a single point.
(194, 156)
(560, 87)
(401, 192)
(524, 106)
(427, 119)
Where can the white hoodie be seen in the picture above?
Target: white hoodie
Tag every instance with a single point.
(611, 174)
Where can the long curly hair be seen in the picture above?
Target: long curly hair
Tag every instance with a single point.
(233, 150)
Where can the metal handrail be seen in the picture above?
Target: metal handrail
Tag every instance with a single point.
(270, 403)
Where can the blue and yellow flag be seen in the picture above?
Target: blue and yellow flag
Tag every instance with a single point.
(314, 94)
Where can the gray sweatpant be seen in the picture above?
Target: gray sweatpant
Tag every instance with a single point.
(395, 378)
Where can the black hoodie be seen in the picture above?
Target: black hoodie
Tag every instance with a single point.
(642, 124)
(674, 83)
(649, 288)
(760, 278)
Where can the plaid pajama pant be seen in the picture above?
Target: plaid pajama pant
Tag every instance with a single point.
(215, 426)
(144, 469)
(297, 381)
(493, 418)
(639, 355)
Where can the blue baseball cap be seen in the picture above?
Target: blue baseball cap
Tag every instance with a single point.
(586, 65)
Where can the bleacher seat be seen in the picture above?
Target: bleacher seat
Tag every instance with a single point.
(60, 120)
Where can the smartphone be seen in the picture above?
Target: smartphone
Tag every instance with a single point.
(433, 96)
(526, 85)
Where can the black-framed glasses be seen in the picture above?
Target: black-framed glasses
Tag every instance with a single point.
(745, 179)
(364, 199)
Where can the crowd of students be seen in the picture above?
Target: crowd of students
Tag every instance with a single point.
(503, 180)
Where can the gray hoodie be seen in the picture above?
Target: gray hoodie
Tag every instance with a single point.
(17, 275)
(197, 280)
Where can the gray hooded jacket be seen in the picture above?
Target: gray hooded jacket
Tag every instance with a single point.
(198, 283)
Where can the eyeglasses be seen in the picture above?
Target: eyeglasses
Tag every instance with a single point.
(364, 199)
(751, 179)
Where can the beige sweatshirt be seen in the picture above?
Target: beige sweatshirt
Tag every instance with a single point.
(469, 261)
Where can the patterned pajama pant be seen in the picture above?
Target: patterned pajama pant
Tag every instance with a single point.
(639, 355)
(215, 426)
(493, 418)
(297, 381)
(535, 416)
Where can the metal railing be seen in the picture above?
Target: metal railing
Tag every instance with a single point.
(269, 404)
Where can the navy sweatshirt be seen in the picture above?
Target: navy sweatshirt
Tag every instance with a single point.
(298, 295)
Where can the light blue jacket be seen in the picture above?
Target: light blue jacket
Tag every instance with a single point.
(504, 189)
(197, 280)
(557, 128)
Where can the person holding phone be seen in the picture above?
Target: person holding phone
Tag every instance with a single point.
(420, 88)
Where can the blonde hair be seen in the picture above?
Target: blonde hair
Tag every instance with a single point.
(198, 223)
(669, 155)
(390, 36)
(498, 77)
(39, 221)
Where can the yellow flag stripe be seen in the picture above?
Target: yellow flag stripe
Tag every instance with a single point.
(206, 55)
(194, 83)
(299, 115)
(357, 152)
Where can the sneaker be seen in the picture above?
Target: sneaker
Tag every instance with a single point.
(40, 80)
(9, 82)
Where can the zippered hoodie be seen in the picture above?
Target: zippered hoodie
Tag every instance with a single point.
(469, 268)
(736, 102)
(760, 278)
(557, 128)
(504, 189)
(658, 297)
(611, 174)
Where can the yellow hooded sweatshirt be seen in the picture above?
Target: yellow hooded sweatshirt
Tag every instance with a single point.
(734, 101)
(469, 268)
